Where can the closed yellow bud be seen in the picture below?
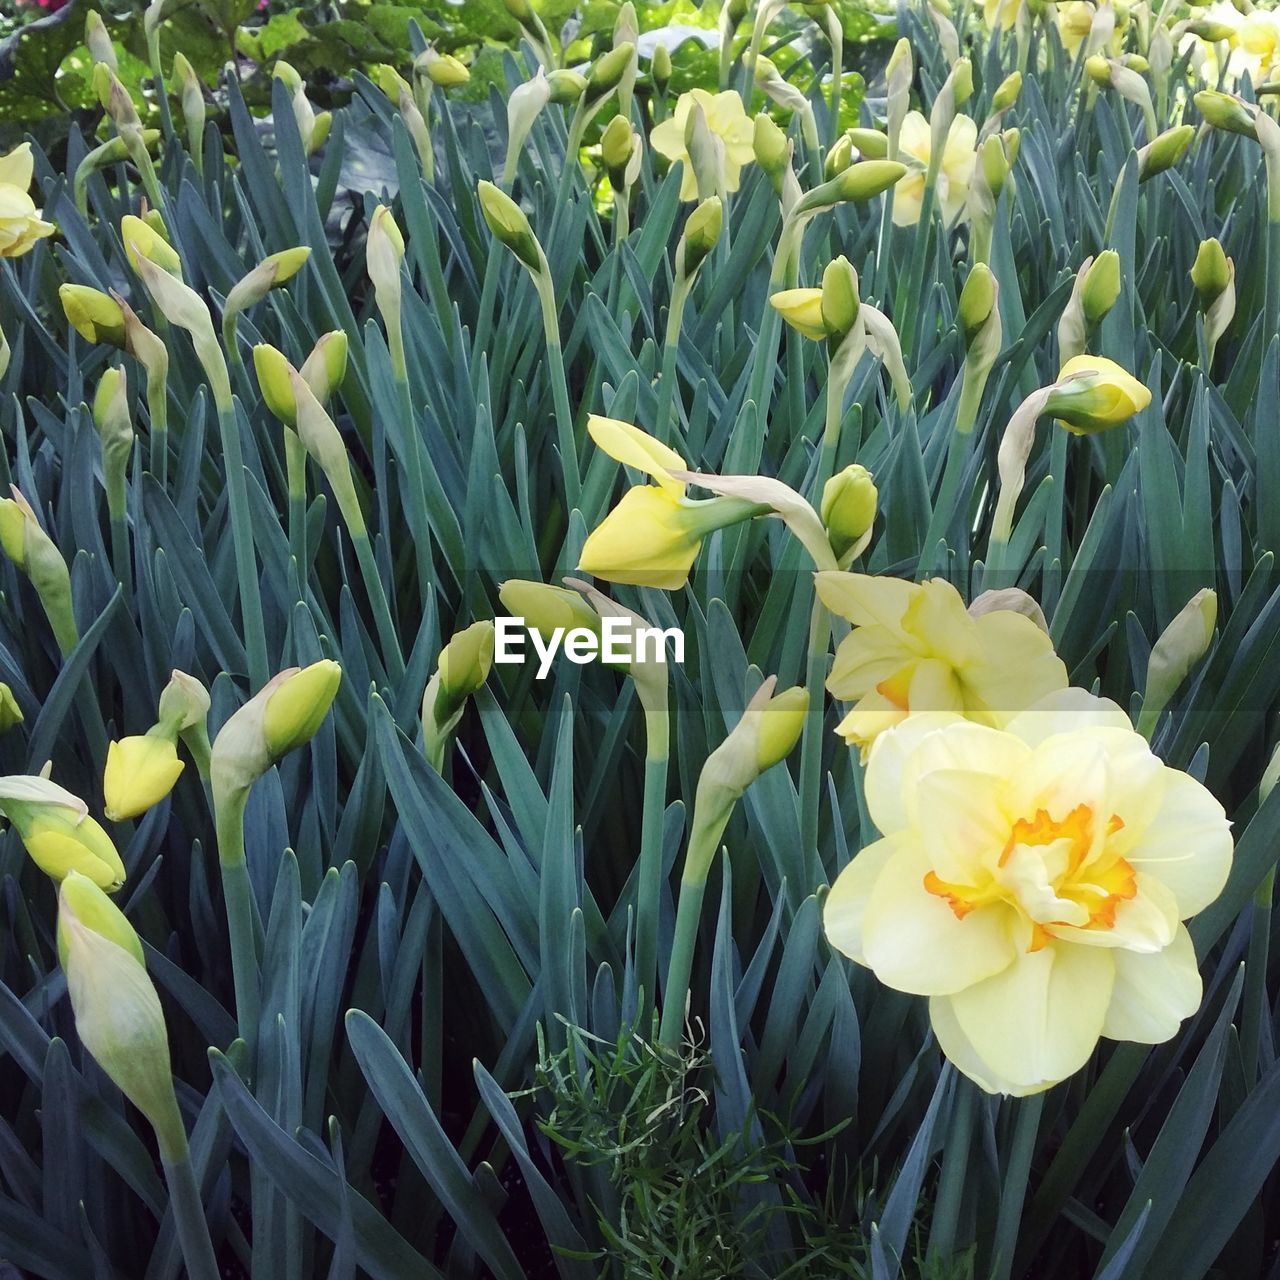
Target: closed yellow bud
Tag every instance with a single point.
(839, 297)
(326, 366)
(1164, 151)
(1007, 92)
(848, 507)
(297, 706)
(1226, 111)
(1101, 286)
(977, 299)
(566, 86)
(509, 224)
(862, 181)
(1210, 273)
(661, 67)
(94, 315)
(701, 232)
(871, 143)
(443, 69)
(1093, 393)
(384, 252)
(607, 71)
(1181, 645)
(96, 911)
(10, 712)
(802, 310)
(58, 832)
(463, 667)
(140, 237)
(545, 608)
(616, 146)
(839, 158)
(771, 148)
(140, 772)
(275, 382)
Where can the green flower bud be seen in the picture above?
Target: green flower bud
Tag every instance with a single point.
(10, 712)
(112, 417)
(274, 382)
(270, 272)
(546, 608)
(1098, 69)
(871, 143)
(1007, 92)
(839, 298)
(117, 1012)
(977, 300)
(94, 315)
(1164, 151)
(442, 69)
(567, 87)
(839, 158)
(1210, 273)
(1101, 286)
(141, 237)
(993, 156)
(462, 668)
(1209, 30)
(701, 231)
(772, 150)
(607, 71)
(862, 181)
(284, 72)
(98, 41)
(661, 68)
(58, 832)
(184, 703)
(384, 252)
(324, 369)
(848, 507)
(296, 708)
(1226, 111)
(509, 224)
(1181, 645)
(616, 146)
(33, 552)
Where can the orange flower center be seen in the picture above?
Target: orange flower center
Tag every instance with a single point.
(1046, 872)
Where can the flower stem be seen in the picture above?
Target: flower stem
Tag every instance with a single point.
(243, 925)
(1015, 1185)
(649, 875)
(188, 1217)
(955, 1169)
(560, 392)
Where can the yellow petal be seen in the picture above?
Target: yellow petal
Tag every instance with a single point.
(1154, 992)
(635, 448)
(1017, 666)
(846, 903)
(642, 541)
(17, 167)
(961, 1054)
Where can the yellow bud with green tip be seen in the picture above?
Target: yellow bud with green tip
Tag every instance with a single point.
(871, 144)
(1007, 92)
(1093, 393)
(840, 300)
(1180, 646)
(607, 71)
(141, 237)
(848, 507)
(839, 158)
(1210, 273)
(566, 86)
(1164, 151)
(275, 382)
(10, 711)
(287, 74)
(297, 706)
(94, 315)
(141, 770)
(58, 832)
(463, 667)
(771, 148)
(1101, 286)
(443, 69)
(326, 366)
(1098, 69)
(861, 181)
(509, 225)
(617, 143)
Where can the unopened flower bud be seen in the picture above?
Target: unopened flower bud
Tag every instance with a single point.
(802, 310)
(463, 667)
(616, 146)
(443, 69)
(509, 225)
(98, 41)
(862, 181)
(771, 148)
(607, 71)
(271, 271)
(1093, 393)
(839, 300)
(141, 771)
(1007, 92)
(141, 238)
(701, 232)
(566, 86)
(1210, 273)
(274, 382)
(94, 315)
(184, 703)
(10, 711)
(871, 144)
(848, 507)
(58, 832)
(1181, 645)
(111, 414)
(1226, 111)
(661, 68)
(546, 608)
(324, 369)
(839, 158)
(297, 707)
(1164, 151)
(1101, 286)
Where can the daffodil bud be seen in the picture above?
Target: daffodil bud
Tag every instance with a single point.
(94, 315)
(287, 75)
(871, 144)
(98, 41)
(115, 99)
(660, 68)
(191, 99)
(862, 181)
(285, 713)
(58, 832)
(546, 608)
(1210, 272)
(1226, 111)
(772, 150)
(1093, 393)
(114, 421)
(1164, 151)
(848, 507)
(463, 667)
(323, 441)
(10, 711)
(839, 158)
(271, 271)
(1181, 645)
(34, 552)
(839, 299)
(701, 232)
(141, 771)
(705, 153)
(384, 252)
(977, 300)
(768, 731)
(117, 1012)
(617, 144)
(899, 73)
(777, 87)
(1098, 69)
(1007, 91)
(184, 710)
(141, 239)
(509, 225)
(1100, 287)
(324, 369)
(802, 310)
(442, 69)
(274, 382)
(607, 72)
(994, 159)
(566, 86)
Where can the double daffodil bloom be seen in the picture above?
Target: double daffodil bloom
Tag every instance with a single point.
(726, 121)
(652, 537)
(916, 648)
(955, 170)
(20, 222)
(1032, 882)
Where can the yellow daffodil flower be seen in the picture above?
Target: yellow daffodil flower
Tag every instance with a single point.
(954, 173)
(1001, 14)
(1075, 21)
(727, 122)
(915, 647)
(1032, 882)
(20, 222)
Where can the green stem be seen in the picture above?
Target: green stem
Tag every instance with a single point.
(909, 300)
(243, 542)
(243, 924)
(675, 993)
(812, 741)
(664, 428)
(649, 876)
(560, 391)
(1014, 1185)
(835, 33)
(1255, 1019)
(388, 638)
(418, 506)
(188, 1217)
(295, 463)
(954, 1174)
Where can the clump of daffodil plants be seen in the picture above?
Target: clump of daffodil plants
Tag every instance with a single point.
(666, 663)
